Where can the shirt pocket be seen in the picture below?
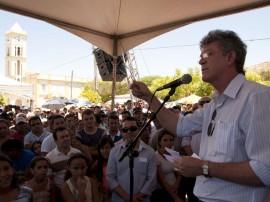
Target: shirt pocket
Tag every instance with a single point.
(142, 168)
(227, 141)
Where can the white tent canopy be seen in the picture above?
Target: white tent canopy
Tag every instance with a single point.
(120, 25)
(116, 26)
(11, 86)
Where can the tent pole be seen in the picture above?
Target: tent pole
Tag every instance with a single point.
(114, 71)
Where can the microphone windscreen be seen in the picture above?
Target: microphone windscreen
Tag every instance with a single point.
(186, 79)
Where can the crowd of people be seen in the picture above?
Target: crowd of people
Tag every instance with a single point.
(222, 143)
(60, 156)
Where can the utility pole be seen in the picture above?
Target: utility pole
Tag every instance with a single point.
(71, 85)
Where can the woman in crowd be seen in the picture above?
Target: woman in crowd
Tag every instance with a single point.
(99, 167)
(169, 180)
(9, 187)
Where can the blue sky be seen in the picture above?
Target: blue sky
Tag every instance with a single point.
(55, 51)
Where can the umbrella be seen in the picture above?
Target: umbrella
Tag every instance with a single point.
(62, 99)
(54, 104)
(81, 101)
(192, 99)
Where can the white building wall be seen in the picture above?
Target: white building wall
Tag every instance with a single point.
(47, 85)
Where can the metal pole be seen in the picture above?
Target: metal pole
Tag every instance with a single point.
(71, 85)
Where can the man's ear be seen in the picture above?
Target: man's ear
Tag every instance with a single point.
(231, 57)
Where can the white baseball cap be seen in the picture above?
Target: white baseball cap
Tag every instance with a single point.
(20, 119)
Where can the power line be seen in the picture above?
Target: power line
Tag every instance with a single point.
(140, 49)
(61, 65)
(150, 48)
(188, 45)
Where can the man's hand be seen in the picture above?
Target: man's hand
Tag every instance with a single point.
(188, 166)
(140, 90)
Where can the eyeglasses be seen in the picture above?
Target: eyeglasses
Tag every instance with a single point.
(211, 126)
(205, 55)
(131, 129)
(203, 102)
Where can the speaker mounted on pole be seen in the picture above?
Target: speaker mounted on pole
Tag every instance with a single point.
(105, 66)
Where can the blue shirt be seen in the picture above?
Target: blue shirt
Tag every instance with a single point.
(23, 163)
(241, 134)
(30, 138)
(144, 171)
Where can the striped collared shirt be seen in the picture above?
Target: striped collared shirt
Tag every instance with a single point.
(241, 134)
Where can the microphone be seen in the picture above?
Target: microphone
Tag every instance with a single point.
(185, 79)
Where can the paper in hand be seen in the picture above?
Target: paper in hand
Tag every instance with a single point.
(172, 155)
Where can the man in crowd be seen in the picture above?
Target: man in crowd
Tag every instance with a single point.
(234, 163)
(21, 127)
(138, 114)
(48, 143)
(59, 155)
(113, 131)
(144, 170)
(129, 106)
(21, 158)
(90, 135)
(37, 132)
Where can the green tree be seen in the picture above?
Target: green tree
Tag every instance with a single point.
(252, 76)
(2, 99)
(197, 86)
(92, 96)
(104, 90)
(265, 75)
(148, 80)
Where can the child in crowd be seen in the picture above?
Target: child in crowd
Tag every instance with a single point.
(99, 167)
(44, 189)
(36, 148)
(79, 187)
(9, 187)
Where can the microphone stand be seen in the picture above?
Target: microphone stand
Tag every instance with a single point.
(130, 148)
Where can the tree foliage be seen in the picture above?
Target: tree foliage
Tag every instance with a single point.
(104, 92)
(2, 99)
(92, 96)
(196, 86)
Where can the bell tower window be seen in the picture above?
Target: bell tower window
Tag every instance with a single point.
(18, 68)
(19, 51)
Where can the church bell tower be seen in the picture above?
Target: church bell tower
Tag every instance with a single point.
(16, 53)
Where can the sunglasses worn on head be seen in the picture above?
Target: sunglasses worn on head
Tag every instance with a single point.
(131, 129)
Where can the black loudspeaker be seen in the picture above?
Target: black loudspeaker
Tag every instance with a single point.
(105, 67)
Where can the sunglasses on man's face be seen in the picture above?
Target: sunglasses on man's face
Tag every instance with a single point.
(131, 129)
